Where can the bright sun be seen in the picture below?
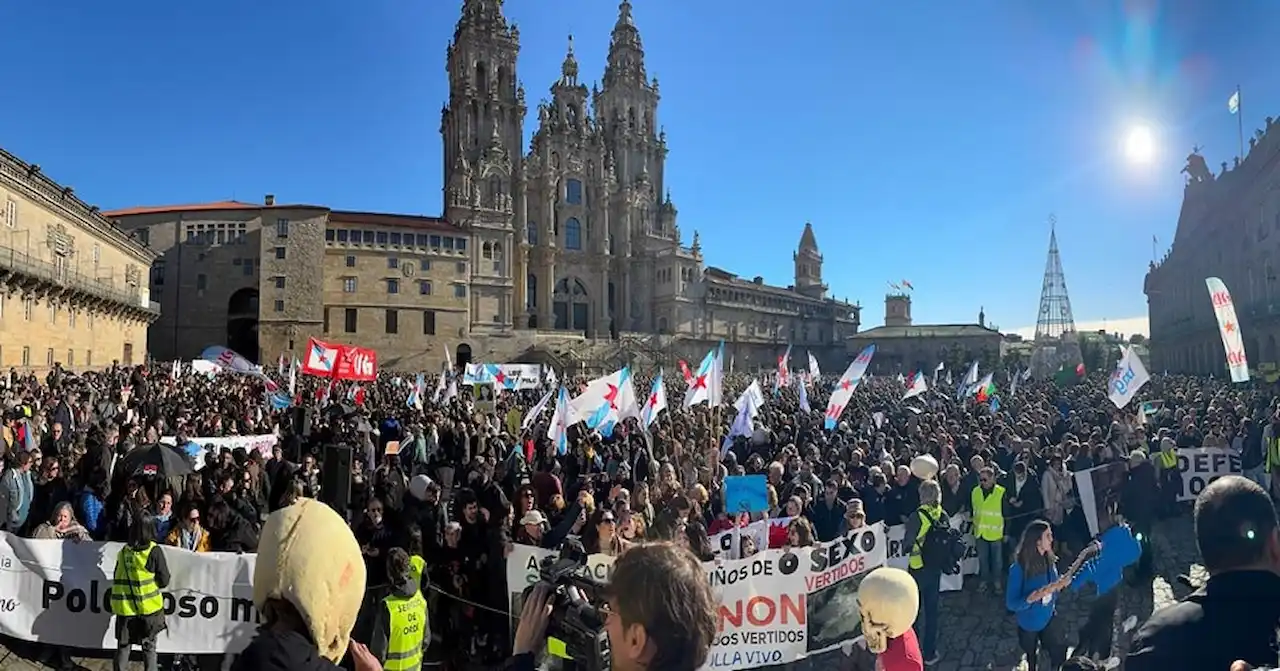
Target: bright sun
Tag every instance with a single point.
(1140, 145)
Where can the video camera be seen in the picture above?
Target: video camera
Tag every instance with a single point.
(576, 620)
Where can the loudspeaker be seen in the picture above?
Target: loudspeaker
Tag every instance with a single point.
(335, 478)
(302, 421)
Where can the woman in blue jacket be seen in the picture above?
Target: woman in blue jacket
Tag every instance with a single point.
(1118, 551)
(1032, 594)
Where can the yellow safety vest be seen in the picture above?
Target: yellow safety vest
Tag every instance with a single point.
(416, 566)
(134, 591)
(1273, 455)
(409, 629)
(926, 514)
(1169, 459)
(557, 648)
(988, 514)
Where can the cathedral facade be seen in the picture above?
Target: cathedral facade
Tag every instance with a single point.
(580, 233)
(567, 253)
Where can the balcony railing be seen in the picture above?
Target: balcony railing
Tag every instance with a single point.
(37, 268)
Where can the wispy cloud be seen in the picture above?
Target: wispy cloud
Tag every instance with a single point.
(1125, 325)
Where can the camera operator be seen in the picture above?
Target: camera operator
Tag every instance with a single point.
(1235, 614)
(661, 613)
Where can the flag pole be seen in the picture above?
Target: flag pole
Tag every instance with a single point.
(1240, 120)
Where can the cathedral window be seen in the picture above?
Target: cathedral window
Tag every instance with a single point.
(572, 234)
(487, 251)
(631, 119)
(573, 192)
(482, 77)
(531, 234)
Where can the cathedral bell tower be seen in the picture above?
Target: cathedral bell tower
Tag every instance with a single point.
(482, 130)
(808, 261)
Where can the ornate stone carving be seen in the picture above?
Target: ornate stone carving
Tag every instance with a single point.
(60, 241)
(132, 276)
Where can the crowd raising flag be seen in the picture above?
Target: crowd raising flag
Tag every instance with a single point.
(706, 383)
(985, 389)
(935, 373)
(1130, 375)
(532, 416)
(814, 371)
(655, 403)
(752, 397)
(558, 431)
(742, 425)
(970, 379)
(845, 387)
(804, 395)
(606, 402)
(784, 363)
(916, 386)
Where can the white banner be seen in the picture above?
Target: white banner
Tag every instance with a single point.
(1229, 328)
(264, 444)
(57, 592)
(1199, 466)
(899, 552)
(775, 607)
(729, 543)
(514, 375)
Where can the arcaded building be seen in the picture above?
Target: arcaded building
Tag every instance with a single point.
(73, 285)
(1229, 227)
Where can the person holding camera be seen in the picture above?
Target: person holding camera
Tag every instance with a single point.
(1232, 618)
(660, 613)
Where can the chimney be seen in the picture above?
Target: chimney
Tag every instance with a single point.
(269, 199)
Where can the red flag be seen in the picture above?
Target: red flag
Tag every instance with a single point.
(684, 370)
(1080, 370)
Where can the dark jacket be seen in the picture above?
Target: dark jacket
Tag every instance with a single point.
(1232, 617)
(381, 632)
(281, 651)
(828, 520)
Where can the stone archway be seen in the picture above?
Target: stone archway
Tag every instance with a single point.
(242, 323)
(462, 356)
(571, 304)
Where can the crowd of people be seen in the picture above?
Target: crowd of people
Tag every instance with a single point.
(439, 514)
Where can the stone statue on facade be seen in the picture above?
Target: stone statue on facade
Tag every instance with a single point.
(1196, 169)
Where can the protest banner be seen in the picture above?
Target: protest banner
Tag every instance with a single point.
(58, 593)
(764, 534)
(899, 552)
(263, 444)
(776, 607)
(1201, 465)
(512, 376)
(1099, 489)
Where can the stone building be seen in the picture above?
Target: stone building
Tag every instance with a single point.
(264, 278)
(1229, 227)
(903, 346)
(73, 285)
(569, 253)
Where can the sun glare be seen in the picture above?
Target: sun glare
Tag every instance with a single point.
(1140, 144)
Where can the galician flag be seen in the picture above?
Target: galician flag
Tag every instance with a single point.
(845, 387)
(916, 387)
(654, 404)
(706, 384)
(558, 431)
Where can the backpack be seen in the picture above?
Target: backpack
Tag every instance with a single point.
(942, 547)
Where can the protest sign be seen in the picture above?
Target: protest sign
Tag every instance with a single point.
(899, 552)
(1199, 466)
(58, 593)
(775, 607)
(763, 534)
(263, 444)
(1099, 489)
(746, 494)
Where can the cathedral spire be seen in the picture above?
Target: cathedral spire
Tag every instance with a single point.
(626, 54)
(481, 15)
(569, 69)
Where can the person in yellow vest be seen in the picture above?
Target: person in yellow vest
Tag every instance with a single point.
(1166, 461)
(141, 572)
(928, 578)
(1271, 455)
(401, 630)
(988, 503)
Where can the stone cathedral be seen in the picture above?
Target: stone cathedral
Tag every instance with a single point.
(580, 233)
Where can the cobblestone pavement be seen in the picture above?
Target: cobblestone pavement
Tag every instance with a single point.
(978, 634)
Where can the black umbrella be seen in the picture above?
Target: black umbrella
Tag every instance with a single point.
(157, 460)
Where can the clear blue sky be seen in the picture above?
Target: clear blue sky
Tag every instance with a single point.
(925, 141)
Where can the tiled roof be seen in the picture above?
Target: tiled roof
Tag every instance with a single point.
(387, 219)
(222, 205)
